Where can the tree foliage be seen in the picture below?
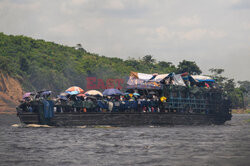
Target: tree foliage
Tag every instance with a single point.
(245, 88)
(47, 65)
(235, 94)
(188, 66)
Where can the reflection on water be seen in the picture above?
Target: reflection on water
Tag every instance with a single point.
(227, 144)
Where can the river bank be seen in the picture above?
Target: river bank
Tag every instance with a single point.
(241, 111)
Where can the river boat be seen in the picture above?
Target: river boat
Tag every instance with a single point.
(178, 104)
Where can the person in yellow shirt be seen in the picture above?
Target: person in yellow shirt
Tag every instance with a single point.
(163, 99)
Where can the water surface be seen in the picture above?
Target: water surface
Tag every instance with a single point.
(227, 145)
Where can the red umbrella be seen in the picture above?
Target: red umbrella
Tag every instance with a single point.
(75, 88)
(81, 95)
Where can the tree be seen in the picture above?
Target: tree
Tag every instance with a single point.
(245, 85)
(164, 64)
(132, 62)
(216, 75)
(229, 85)
(24, 66)
(79, 47)
(216, 71)
(235, 94)
(188, 66)
(245, 88)
(148, 59)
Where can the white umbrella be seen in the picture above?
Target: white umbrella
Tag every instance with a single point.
(93, 93)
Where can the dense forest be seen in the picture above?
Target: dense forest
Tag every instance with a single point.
(38, 64)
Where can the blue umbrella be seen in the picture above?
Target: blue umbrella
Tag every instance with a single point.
(72, 92)
(136, 94)
(62, 97)
(46, 93)
(110, 92)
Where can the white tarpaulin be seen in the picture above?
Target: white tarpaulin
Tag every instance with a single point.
(159, 77)
(178, 80)
(144, 76)
(148, 77)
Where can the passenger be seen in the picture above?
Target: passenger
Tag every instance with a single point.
(161, 104)
(69, 106)
(23, 106)
(152, 109)
(140, 100)
(95, 105)
(89, 105)
(116, 105)
(110, 106)
(30, 109)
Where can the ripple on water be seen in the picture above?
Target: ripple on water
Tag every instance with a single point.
(227, 144)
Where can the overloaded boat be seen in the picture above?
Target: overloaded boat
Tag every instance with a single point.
(149, 99)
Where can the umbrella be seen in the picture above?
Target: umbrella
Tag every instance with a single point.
(46, 93)
(64, 94)
(93, 93)
(91, 97)
(75, 88)
(72, 92)
(62, 97)
(136, 94)
(110, 92)
(26, 95)
(81, 95)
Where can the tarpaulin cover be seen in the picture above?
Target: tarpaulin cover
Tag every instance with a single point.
(148, 77)
(174, 79)
(159, 77)
(178, 80)
(145, 81)
(144, 76)
(145, 86)
(201, 78)
(141, 76)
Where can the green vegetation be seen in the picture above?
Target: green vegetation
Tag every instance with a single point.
(46, 65)
(241, 111)
(238, 95)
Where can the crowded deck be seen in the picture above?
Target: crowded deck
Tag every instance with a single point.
(167, 93)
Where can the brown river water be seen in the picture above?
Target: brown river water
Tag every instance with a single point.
(226, 145)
